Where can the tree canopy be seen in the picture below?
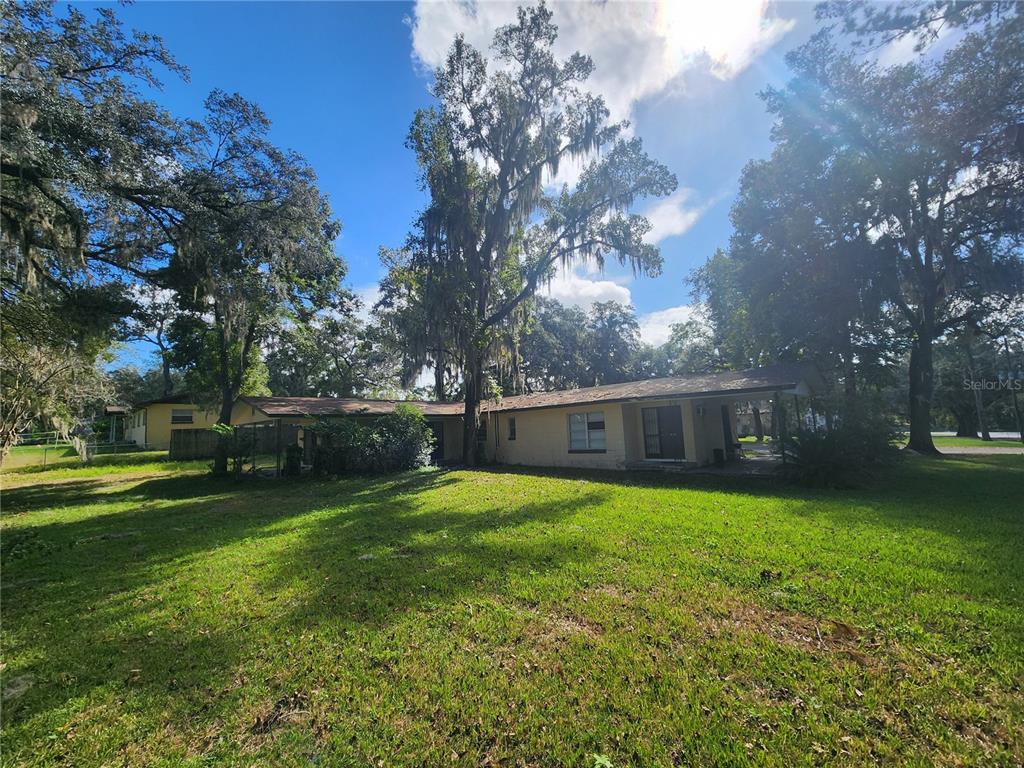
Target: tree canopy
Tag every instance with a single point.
(493, 230)
(889, 214)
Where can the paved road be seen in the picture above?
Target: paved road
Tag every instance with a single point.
(996, 450)
(995, 435)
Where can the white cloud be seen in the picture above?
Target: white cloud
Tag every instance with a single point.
(368, 296)
(639, 49)
(655, 327)
(582, 287)
(571, 288)
(674, 215)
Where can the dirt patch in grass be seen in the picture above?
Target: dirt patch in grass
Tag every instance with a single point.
(797, 630)
(286, 709)
(611, 592)
(17, 687)
(558, 627)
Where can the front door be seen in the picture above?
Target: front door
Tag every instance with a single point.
(663, 432)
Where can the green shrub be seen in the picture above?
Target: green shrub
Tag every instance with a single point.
(844, 456)
(404, 440)
(394, 442)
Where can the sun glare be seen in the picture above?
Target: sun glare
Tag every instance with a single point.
(728, 34)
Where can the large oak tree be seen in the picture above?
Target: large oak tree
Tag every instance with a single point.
(493, 231)
(892, 206)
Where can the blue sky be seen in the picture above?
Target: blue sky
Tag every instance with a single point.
(341, 81)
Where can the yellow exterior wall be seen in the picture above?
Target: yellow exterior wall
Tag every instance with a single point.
(542, 438)
(151, 426)
(695, 430)
(155, 432)
(542, 435)
(702, 423)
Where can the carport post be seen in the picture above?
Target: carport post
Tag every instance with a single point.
(781, 409)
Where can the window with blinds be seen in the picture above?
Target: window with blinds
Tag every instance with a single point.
(587, 432)
(181, 416)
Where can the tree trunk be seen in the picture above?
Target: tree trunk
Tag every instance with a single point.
(220, 456)
(849, 377)
(758, 426)
(921, 387)
(966, 424)
(979, 406)
(439, 389)
(165, 361)
(474, 380)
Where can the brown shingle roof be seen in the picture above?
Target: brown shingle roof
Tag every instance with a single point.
(755, 380)
(345, 406)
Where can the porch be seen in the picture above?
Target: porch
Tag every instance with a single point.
(684, 434)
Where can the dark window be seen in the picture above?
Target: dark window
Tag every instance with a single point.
(511, 427)
(181, 416)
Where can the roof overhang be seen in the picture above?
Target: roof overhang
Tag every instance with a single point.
(794, 388)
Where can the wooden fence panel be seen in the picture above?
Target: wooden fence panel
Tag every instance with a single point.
(187, 444)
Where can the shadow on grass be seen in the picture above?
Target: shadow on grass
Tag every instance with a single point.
(87, 599)
(974, 502)
(131, 605)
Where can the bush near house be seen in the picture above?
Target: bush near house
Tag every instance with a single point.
(394, 442)
(845, 455)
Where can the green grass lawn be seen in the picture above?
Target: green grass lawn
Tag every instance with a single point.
(512, 618)
(34, 455)
(39, 458)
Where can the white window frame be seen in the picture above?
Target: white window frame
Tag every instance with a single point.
(595, 439)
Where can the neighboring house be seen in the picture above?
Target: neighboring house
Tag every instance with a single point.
(678, 420)
(150, 424)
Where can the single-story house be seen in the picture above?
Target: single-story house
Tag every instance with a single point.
(679, 420)
(676, 420)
